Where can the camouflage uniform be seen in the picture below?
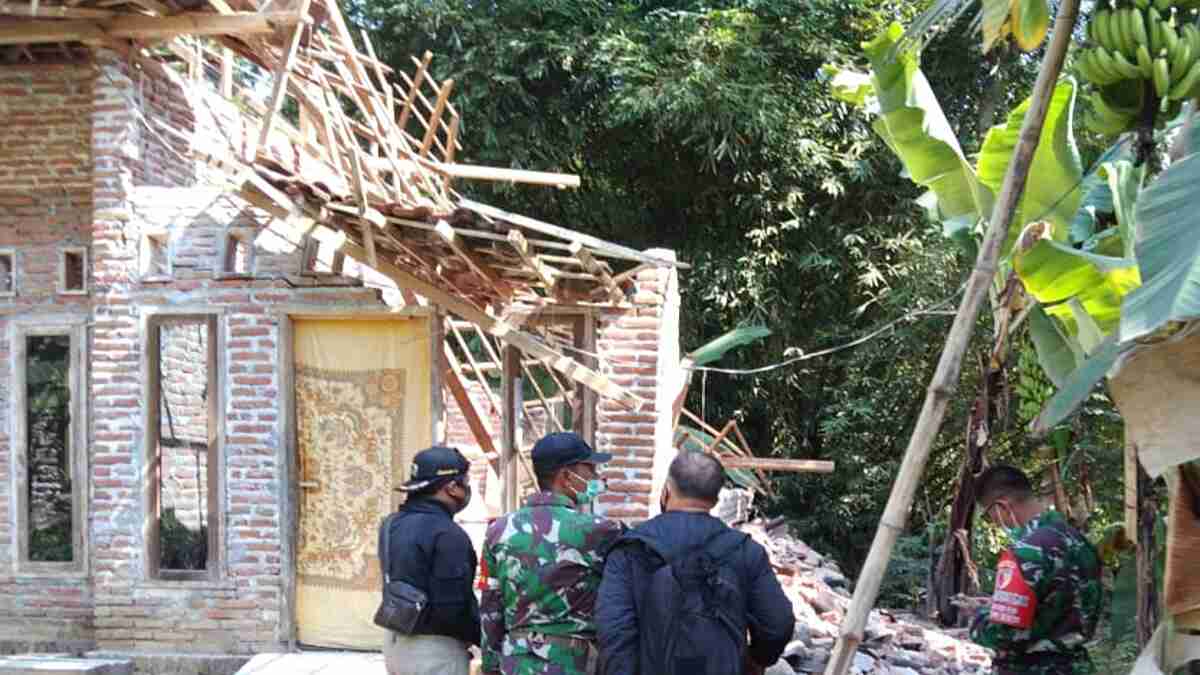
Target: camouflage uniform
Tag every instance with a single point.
(543, 564)
(1063, 573)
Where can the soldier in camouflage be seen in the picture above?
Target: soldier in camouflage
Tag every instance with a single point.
(543, 564)
(1048, 596)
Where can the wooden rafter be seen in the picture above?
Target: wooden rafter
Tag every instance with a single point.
(131, 26)
(281, 76)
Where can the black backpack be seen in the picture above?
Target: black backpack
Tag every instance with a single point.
(692, 613)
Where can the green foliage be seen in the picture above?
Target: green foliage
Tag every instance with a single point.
(1053, 193)
(182, 548)
(1056, 274)
(1078, 387)
(1168, 252)
(716, 348)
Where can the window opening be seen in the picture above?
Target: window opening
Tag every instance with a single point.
(156, 261)
(73, 272)
(239, 255)
(184, 492)
(8, 273)
(50, 497)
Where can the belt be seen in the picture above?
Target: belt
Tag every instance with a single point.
(558, 640)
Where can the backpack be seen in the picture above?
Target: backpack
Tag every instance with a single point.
(692, 613)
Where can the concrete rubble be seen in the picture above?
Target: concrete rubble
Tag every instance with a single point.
(820, 595)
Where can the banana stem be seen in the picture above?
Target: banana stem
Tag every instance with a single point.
(1145, 128)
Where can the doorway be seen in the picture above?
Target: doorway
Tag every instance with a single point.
(363, 408)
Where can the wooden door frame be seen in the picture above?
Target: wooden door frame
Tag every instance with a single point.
(287, 457)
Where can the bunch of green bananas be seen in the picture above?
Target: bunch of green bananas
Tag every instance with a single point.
(1151, 40)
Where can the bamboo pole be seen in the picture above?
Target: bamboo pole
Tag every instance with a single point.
(949, 367)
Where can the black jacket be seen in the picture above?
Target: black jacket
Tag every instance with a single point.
(768, 611)
(430, 551)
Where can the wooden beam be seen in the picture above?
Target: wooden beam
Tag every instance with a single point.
(448, 236)
(511, 397)
(771, 464)
(491, 173)
(544, 272)
(604, 247)
(38, 10)
(504, 331)
(435, 117)
(281, 79)
(131, 26)
(589, 263)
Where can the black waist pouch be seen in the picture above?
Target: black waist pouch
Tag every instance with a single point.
(401, 607)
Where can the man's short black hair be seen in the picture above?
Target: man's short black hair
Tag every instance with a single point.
(697, 475)
(1002, 480)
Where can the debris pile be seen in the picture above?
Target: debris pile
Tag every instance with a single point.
(820, 597)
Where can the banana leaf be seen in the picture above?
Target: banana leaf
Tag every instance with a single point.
(1097, 194)
(1077, 388)
(1058, 354)
(848, 85)
(1124, 182)
(1054, 273)
(912, 123)
(1053, 190)
(716, 348)
(1168, 252)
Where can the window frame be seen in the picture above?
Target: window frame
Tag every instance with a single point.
(75, 328)
(82, 252)
(152, 324)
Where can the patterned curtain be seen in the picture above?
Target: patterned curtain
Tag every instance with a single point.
(362, 410)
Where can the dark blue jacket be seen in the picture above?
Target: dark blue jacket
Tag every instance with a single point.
(768, 611)
(432, 552)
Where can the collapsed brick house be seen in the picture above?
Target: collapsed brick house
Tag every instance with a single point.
(226, 329)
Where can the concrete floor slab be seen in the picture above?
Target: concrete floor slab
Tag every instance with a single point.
(58, 665)
(312, 663)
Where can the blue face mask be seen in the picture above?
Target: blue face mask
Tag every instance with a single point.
(592, 490)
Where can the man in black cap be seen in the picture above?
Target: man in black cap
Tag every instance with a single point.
(428, 550)
(543, 566)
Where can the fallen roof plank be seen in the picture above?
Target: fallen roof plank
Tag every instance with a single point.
(144, 27)
(607, 248)
(506, 332)
(772, 464)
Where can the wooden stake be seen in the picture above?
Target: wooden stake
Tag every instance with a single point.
(546, 274)
(479, 267)
(466, 404)
(949, 367)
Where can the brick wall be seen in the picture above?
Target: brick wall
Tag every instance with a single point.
(45, 204)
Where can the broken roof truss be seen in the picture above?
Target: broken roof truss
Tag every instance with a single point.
(363, 160)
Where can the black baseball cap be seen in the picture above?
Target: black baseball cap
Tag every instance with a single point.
(563, 449)
(435, 465)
